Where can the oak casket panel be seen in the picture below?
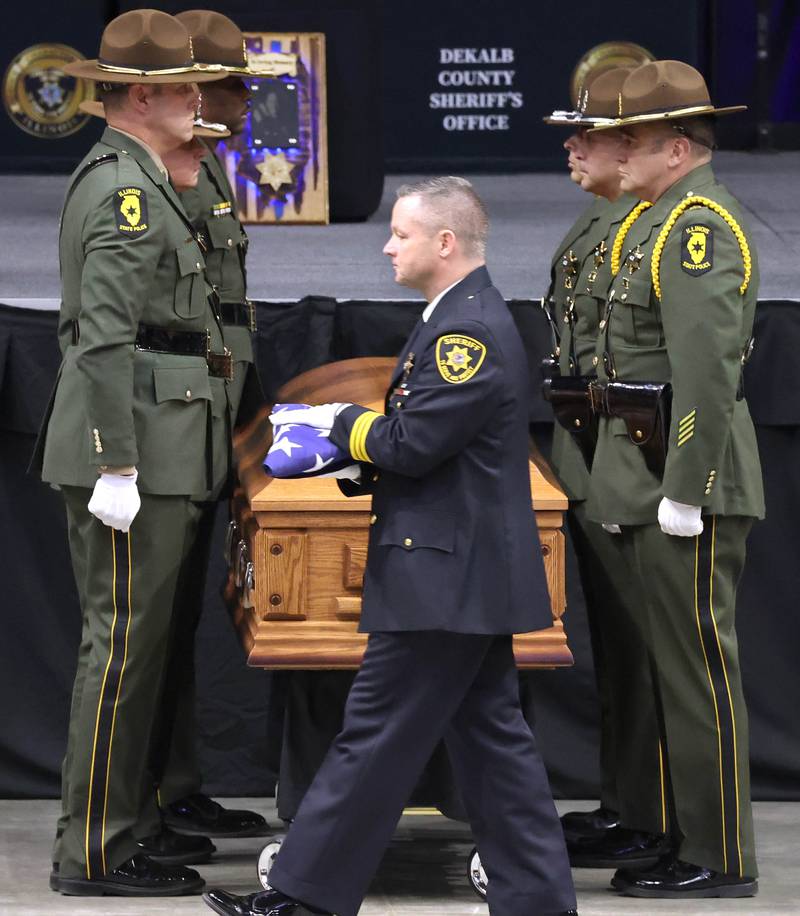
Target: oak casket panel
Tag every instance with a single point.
(297, 548)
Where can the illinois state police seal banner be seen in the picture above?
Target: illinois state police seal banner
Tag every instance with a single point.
(40, 98)
(697, 249)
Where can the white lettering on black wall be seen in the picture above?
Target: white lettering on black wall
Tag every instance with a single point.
(499, 80)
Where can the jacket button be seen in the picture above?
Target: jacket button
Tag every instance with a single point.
(96, 432)
(373, 519)
(98, 448)
(408, 542)
(197, 264)
(188, 394)
(708, 491)
(639, 434)
(376, 476)
(230, 243)
(595, 360)
(577, 423)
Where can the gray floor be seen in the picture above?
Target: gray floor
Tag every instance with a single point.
(530, 213)
(422, 874)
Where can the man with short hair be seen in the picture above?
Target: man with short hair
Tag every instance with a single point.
(453, 570)
(683, 492)
(135, 438)
(628, 827)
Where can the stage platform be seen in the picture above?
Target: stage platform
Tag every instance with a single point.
(423, 871)
(530, 213)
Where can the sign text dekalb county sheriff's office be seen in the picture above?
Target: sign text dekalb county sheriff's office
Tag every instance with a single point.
(476, 97)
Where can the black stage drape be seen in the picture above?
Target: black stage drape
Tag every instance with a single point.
(240, 729)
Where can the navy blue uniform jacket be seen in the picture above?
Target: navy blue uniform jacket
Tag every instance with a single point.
(453, 543)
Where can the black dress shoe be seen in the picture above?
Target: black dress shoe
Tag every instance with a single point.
(201, 814)
(139, 876)
(618, 847)
(171, 848)
(577, 824)
(671, 877)
(263, 903)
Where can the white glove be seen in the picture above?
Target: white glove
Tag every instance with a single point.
(351, 472)
(679, 519)
(320, 417)
(611, 528)
(115, 500)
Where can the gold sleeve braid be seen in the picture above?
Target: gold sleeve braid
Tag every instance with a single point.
(661, 241)
(358, 435)
(622, 233)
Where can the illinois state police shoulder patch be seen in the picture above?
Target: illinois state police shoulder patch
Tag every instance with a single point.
(697, 249)
(458, 358)
(130, 212)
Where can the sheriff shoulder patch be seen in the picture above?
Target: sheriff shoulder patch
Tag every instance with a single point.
(130, 212)
(697, 249)
(458, 358)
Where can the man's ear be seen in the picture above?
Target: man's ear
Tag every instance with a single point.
(447, 243)
(139, 97)
(681, 150)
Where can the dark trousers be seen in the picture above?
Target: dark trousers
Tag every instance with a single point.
(413, 689)
(127, 584)
(631, 756)
(689, 618)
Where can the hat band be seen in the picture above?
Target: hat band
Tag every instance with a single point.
(661, 112)
(164, 71)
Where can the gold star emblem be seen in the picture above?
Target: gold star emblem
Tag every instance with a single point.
(458, 358)
(275, 170)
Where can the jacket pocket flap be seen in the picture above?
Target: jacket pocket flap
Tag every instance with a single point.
(223, 232)
(637, 292)
(190, 259)
(412, 530)
(182, 383)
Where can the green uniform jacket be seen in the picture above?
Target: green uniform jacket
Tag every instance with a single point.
(127, 256)
(586, 299)
(211, 207)
(692, 335)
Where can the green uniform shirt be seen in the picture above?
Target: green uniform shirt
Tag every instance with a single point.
(692, 335)
(211, 207)
(585, 300)
(127, 257)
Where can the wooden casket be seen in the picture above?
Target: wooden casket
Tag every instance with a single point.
(297, 548)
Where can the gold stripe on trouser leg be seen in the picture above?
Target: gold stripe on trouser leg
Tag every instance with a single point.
(663, 785)
(716, 670)
(99, 777)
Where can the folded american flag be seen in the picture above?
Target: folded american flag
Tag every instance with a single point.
(303, 451)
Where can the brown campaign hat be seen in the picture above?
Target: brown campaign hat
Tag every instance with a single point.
(665, 90)
(217, 40)
(145, 46)
(201, 128)
(598, 103)
(606, 56)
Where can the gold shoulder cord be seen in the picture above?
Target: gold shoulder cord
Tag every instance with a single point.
(622, 233)
(655, 264)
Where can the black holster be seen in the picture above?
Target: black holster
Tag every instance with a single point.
(646, 409)
(572, 407)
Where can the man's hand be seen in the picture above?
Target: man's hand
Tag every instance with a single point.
(320, 417)
(611, 528)
(351, 472)
(115, 500)
(678, 519)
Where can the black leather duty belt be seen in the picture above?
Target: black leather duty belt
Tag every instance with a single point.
(239, 313)
(185, 343)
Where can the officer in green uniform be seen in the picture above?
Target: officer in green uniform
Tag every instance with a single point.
(628, 826)
(136, 435)
(680, 311)
(211, 206)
